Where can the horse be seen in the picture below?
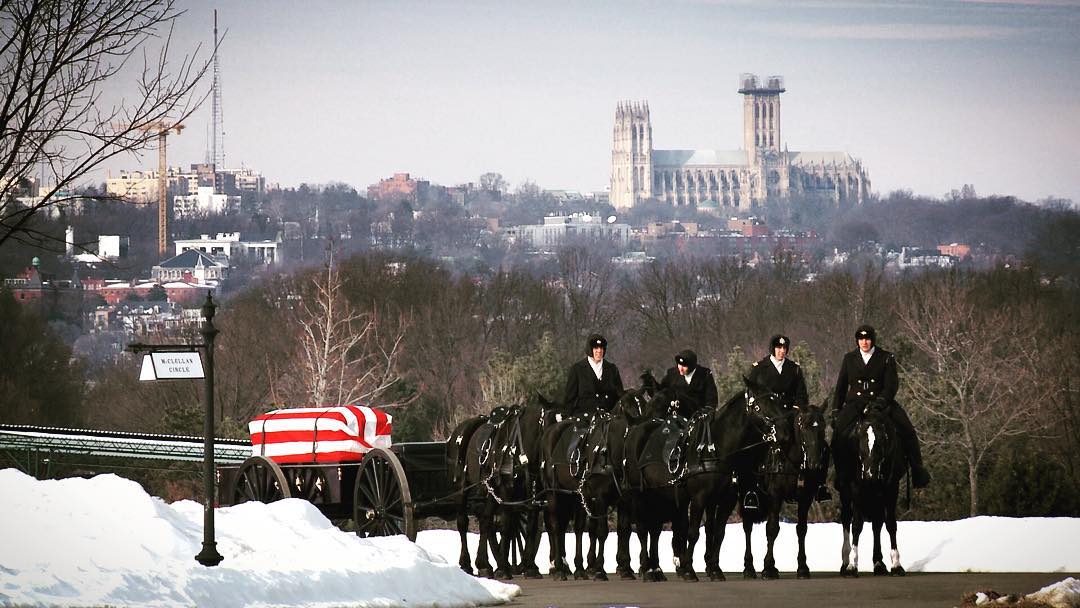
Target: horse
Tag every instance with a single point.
(497, 477)
(793, 472)
(869, 464)
(725, 446)
(652, 459)
(602, 486)
(562, 455)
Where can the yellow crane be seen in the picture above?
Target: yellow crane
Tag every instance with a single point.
(162, 129)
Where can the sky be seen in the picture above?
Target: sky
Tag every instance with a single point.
(105, 541)
(929, 95)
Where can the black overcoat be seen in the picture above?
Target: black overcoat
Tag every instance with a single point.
(700, 393)
(861, 382)
(789, 384)
(585, 393)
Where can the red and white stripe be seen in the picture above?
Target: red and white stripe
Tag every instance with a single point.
(319, 434)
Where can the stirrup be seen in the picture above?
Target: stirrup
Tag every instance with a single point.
(750, 501)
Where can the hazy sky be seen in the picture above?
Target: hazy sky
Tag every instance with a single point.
(929, 95)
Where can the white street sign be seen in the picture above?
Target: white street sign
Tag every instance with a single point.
(171, 366)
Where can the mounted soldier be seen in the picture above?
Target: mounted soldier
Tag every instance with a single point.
(868, 373)
(593, 384)
(785, 378)
(690, 384)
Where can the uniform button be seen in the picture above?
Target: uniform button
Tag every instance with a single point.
(872, 380)
(871, 393)
(858, 394)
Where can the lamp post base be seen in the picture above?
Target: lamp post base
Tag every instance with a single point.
(209, 555)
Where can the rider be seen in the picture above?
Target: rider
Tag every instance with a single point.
(593, 384)
(785, 378)
(869, 372)
(692, 385)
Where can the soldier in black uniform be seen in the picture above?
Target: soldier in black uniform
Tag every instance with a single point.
(866, 373)
(785, 378)
(780, 374)
(691, 384)
(593, 384)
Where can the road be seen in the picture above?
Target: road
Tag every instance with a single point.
(867, 591)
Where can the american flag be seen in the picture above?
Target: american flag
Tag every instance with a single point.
(319, 434)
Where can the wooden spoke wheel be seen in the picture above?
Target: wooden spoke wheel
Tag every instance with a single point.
(515, 544)
(309, 483)
(260, 479)
(382, 503)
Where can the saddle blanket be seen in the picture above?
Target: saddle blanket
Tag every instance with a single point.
(319, 434)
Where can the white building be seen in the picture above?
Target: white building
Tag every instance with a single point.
(228, 244)
(556, 229)
(203, 203)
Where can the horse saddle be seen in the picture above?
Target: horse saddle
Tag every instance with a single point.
(664, 445)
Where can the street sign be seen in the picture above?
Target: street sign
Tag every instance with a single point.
(171, 366)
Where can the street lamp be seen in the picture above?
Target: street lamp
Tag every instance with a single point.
(209, 555)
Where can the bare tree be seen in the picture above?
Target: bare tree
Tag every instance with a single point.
(978, 381)
(345, 354)
(57, 58)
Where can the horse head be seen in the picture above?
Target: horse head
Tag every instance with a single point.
(633, 405)
(876, 441)
(767, 413)
(810, 437)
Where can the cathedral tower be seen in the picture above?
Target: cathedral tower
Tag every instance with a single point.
(761, 114)
(631, 155)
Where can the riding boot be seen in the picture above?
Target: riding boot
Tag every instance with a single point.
(920, 477)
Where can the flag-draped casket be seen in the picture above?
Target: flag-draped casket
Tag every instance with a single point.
(319, 434)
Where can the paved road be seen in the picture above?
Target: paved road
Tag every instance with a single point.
(915, 589)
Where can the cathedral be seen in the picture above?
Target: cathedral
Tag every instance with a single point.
(723, 180)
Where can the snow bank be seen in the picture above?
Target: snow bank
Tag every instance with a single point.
(80, 542)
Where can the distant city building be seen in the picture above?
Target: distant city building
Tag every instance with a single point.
(203, 203)
(556, 229)
(718, 180)
(956, 250)
(750, 226)
(142, 186)
(229, 245)
(191, 266)
(400, 186)
(915, 257)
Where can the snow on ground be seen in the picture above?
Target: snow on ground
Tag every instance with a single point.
(977, 544)
(105, 541)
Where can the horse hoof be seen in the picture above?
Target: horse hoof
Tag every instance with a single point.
(485, 573)
(626, 575)
(467, 569)
(659, 575)
(717, 575)
(802, 574)
(533, 573)
(749, 574)
(599, 575)
(898, 571)
(688, 575)
(770, 574)
(880, 569)
(503, 575)
(558, 575)
(581, 575)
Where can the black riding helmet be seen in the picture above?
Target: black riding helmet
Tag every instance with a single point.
(866, 331)
(687, 358)
(594, 341)
(779, 340)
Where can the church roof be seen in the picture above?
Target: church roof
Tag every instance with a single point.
(697, 158)
(818, 158)
(192, 258)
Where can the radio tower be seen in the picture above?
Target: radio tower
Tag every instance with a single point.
(217, 140)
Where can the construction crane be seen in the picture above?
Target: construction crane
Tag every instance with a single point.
(162, 129)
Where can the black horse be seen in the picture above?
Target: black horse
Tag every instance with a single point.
(563, 465)
(495, 466)
(653, 457)
(793, 471)
(869, 465)
(603, 484)
(725, 447)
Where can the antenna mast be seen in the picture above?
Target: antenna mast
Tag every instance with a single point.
(218, 136)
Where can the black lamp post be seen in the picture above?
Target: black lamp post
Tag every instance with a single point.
(209, 555)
